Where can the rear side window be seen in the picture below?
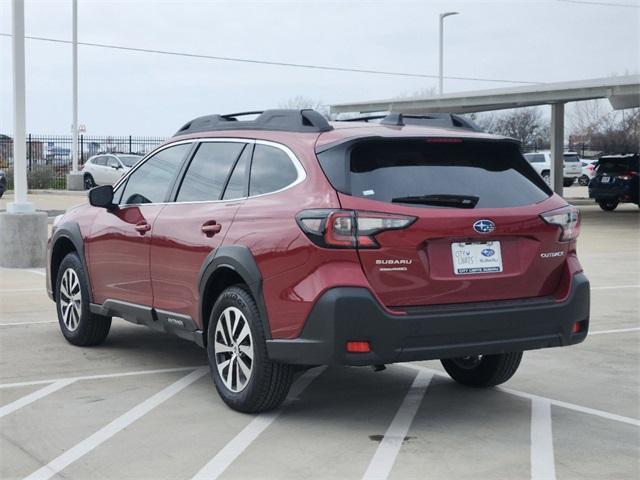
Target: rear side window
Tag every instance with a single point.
(271, 170)
(208, 171)
(494, 173)
(151, 182)
(238, 180)
(99, 161)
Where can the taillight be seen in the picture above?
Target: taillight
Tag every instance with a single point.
(348, 228)
(567, 218)
(627, 175)
(590, 167)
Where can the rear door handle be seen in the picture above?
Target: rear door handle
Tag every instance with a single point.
(210, 228)
(142, 227)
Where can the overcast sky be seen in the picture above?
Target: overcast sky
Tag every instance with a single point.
(123, 92)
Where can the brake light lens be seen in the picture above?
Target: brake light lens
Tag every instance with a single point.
(349, 228)
(627, 175)
(567, 218)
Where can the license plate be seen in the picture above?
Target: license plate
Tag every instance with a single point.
(476, 257)
(605, 179)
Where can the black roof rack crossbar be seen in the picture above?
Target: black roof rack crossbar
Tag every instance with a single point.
(446, 120)
(305, 120)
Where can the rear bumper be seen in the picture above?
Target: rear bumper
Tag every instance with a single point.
(347, 313)
(624, 192)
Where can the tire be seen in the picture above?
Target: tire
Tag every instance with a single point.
(483, 371)
(568, 182)
(608, 205)
(89, 182)
(583, 180)
(78, 325)
(267, 383)
(546, 176)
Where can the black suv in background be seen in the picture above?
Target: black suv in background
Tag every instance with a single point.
(617, 181)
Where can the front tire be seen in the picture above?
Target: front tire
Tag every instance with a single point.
(483, 371)
(246, 380)
(78, 325)
(608, 205)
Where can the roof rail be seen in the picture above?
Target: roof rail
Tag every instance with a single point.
(305, 120)
(446, 120)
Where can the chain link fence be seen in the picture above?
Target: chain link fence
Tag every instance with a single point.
(49, 156)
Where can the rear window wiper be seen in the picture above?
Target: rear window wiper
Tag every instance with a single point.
(440, 200)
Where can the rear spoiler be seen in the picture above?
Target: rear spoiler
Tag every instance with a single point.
(446, 120)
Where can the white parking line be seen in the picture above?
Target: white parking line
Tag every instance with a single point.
(120, 423)
(32, 397)
(15, 324)
(619, 330)
(38, 272)
(387, 452)
(21, 290)
(232, 450)
(615, 287)
(99, 376)
(530, 396)
(543, 466)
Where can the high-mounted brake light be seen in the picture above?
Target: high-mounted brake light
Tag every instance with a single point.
(567, 218)
(348, 228)
(443, 140)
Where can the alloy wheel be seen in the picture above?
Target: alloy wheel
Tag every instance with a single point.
(233, 348)
(70, 299)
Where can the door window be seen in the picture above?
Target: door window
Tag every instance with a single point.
(99, 161)
(208, 171)
(151, 182)
(271, 170)
(112, 162)
(236, 188)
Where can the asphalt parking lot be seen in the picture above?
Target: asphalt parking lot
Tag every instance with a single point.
(142, 406)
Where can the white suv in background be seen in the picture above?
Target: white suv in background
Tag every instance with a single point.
(541, 162)
(107, 168)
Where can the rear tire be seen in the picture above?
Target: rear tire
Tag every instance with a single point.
(246, 380)
(78, 325)
(483, 371)
(583, 180)
(608, 205)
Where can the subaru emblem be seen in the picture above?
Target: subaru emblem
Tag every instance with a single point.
(488, 252)
(484, 226)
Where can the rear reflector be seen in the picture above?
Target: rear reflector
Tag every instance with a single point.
(577, 327)
(358, 347)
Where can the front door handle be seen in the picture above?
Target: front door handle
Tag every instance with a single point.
(210, 228)
(142, 228)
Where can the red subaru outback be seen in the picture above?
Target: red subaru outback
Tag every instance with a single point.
(286, 240)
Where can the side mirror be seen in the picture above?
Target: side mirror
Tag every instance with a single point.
(102, 197)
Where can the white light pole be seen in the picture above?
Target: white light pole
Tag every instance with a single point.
(74, 47)
(20, 203)
(74, 178)
(442, 17)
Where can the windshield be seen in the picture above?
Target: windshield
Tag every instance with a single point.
(129, 160)
(431, 173)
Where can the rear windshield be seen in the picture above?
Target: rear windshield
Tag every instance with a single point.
(571, 157)
(618, 165)
(493, 174)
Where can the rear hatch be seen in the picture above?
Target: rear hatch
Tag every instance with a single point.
(572, 165)
(616, 175)
(475, 232)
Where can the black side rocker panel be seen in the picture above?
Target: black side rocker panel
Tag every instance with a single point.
(348, 313)
(182, 326)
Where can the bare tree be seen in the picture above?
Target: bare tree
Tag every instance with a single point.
(524, 124)
(301, 102)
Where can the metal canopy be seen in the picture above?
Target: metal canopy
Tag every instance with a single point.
(622, 92)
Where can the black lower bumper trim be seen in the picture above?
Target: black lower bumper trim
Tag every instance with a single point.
(346, 313)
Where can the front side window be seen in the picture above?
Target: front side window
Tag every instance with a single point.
(151, 182)
(208, 171)
(271, 170)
